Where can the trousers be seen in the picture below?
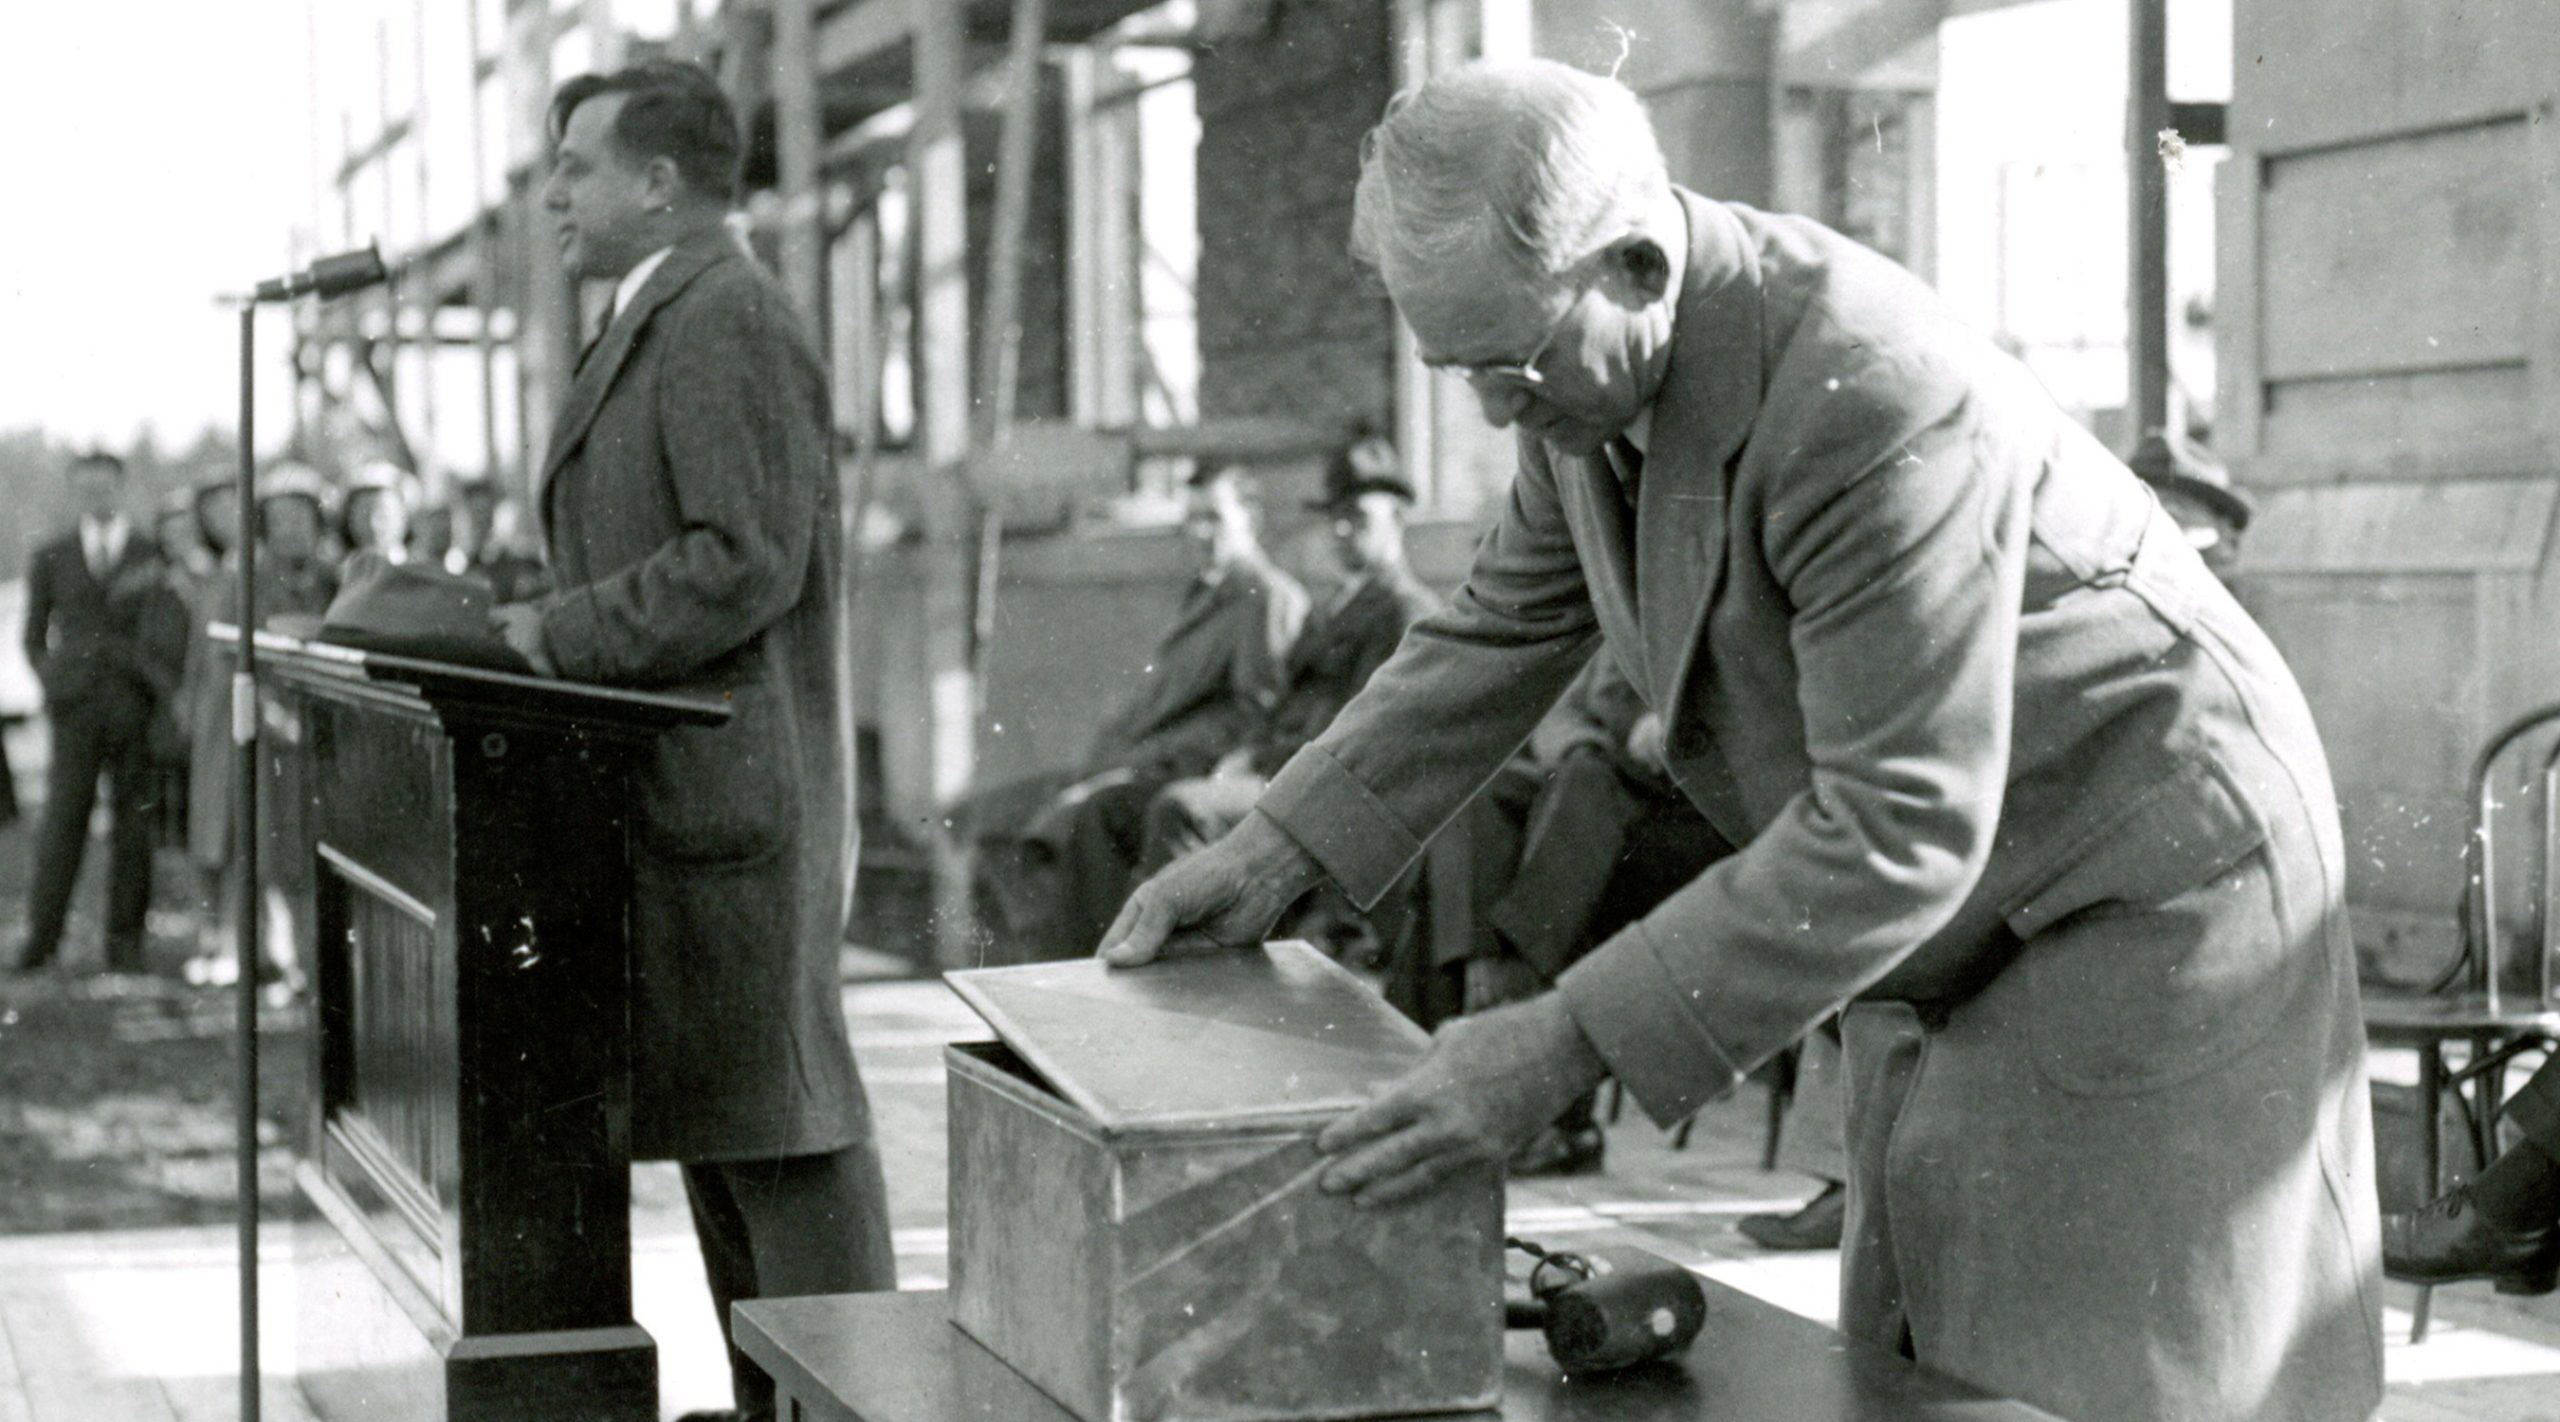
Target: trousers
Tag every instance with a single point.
(86, 747)
(769, 1229)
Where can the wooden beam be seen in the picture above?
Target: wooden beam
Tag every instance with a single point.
(864, 31)
(939, 172)
(939, 165)
(1000, 353)
(797, 145)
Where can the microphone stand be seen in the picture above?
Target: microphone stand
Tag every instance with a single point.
(330, 276)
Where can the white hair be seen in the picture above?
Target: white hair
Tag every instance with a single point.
(1532, 161)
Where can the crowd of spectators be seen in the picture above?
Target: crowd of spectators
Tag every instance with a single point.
(120, 631)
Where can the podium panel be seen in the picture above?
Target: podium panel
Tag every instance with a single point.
(451, 843)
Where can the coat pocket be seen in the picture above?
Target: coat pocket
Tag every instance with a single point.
(2159, 953)
(722, 794)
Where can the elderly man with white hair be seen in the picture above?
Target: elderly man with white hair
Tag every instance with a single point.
(2016, 782)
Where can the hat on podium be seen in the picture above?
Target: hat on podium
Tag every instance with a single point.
(414, 610)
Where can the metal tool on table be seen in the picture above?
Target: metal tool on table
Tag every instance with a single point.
(1606, 1309)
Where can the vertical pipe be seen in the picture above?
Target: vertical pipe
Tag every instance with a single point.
(484, 240)
(2146, 114)
(244, 736)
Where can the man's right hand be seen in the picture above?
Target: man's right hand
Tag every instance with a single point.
(1226, 894)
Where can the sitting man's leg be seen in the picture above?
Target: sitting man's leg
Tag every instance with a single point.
(1098, 852)
(1815, 1142)
(1569, 852)
(1187, 814)
(1014, 878)
(2505, 1224)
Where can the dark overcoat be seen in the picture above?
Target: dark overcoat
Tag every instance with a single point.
(689, 507)
(1211, 680)
(2013, 777)
(1340, 649)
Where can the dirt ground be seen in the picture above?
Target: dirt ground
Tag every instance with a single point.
(116, 1093)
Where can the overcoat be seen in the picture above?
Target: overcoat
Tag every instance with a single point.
(689, 509)
(1341, 647)
(2012, 774)
(1211, 680)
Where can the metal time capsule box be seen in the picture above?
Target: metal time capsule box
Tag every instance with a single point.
(1135, 1222)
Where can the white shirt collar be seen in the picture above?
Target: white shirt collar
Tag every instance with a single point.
(635, 278)
(107, 534)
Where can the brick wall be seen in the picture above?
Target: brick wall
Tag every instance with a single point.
(1290, 325)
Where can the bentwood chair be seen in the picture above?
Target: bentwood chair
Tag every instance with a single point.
(2479, 1004)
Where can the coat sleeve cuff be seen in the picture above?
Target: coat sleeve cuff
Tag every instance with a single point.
(1349, 832)
(573, 635)
(1639, 1018)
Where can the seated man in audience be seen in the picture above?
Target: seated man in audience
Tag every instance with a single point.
(1350, 637)
(1577, 837)
(2503, 1224)
(1209, 685)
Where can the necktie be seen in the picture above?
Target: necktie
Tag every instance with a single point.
(612, 308)
(93, 545)
(1627, 462)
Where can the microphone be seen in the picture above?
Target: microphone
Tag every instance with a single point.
(329, 276)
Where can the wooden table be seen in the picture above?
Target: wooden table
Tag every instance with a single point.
(897, 1358)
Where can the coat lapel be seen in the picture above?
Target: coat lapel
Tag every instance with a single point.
(1702, 419)
(690, 259)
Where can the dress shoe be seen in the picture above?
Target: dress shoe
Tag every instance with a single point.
(2451, 1240)
(1561, 1150)
(1817, 1226)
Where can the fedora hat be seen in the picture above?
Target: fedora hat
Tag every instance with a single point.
(2167, 462)
(413, 610)
(1365, 466)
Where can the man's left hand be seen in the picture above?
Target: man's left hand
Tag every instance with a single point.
(521, 624)
(1489, 1083)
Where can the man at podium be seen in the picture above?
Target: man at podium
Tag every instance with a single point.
(689, 507)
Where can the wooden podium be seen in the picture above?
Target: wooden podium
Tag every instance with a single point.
(452, 841)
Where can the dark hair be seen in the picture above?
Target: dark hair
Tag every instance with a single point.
(355, 512)
(203, 497)
(107, 458)
(670, 110)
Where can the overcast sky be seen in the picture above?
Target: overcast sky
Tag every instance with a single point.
(156, 155)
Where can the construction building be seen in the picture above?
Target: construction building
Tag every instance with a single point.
(1057, 249)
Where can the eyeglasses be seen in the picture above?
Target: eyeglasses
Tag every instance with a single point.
(1494, 375)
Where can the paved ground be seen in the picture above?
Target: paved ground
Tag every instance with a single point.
(139, 1325)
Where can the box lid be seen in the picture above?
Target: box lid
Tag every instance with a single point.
(1218, 1039)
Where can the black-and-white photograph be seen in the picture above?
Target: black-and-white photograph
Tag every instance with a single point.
(1280, 711)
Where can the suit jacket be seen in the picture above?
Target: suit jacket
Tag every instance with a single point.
(1341, 648)
(1212, 679)
(1945, 671)
(110, 648)
(689, 504)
